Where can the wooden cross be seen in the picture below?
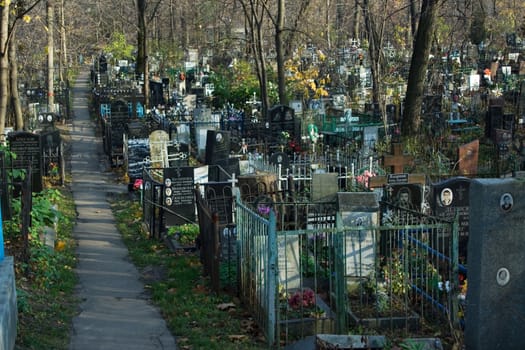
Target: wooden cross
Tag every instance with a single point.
(397, 160)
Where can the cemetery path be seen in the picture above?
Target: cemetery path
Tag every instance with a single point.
(115, 312)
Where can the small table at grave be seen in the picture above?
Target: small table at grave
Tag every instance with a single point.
(397, 160)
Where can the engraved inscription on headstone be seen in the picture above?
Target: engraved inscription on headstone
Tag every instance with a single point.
(451, 197)
(27, 148)
(179, 196)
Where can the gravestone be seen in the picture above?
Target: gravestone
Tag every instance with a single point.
(496, 266)
(359, 209)
(51, 149)
(136, 157)
(282, 159)
(450, 197)
(158, 144)
(217, 146)
(289, 261)
(324, 186)
(179, 196)
(28, 149)
(494, 116)
(406, 196)
(282, 119)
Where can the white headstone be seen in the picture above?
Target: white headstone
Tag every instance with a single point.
(158, 141)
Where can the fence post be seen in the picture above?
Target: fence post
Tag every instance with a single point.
(215, 258)
(271, 277)
(339, 278)
(455, 270)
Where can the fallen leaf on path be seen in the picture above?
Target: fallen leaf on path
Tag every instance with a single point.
(225, 306)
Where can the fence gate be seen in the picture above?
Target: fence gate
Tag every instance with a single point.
(258, 266)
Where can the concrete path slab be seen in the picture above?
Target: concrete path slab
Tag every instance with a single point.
(115, 312)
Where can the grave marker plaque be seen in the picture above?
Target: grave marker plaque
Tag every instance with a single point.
(179, 196)
(496, 266)
(27, 147)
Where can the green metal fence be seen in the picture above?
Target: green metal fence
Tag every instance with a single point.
(327, 277)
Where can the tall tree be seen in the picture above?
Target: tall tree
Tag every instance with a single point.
(142, 51)
(50, 14)
(13, 83)
(418, 68)
(254, 12)
(279, 51)
(4, 66)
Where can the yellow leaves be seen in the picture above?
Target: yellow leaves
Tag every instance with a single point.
(26, 18)
(60, 245)
(238, 338)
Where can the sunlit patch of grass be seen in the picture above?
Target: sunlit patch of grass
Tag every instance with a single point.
(183, 294)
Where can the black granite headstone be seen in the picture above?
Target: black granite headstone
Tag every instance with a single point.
(179, 196)
(28, 150)
(450, 197)
(406, 196)
(282, 119)
(280, 158)
(496, 266)
(217, 146)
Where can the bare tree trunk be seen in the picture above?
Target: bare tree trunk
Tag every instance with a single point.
(4, 69)
(279, 28)
(63, 43)
(13, 82)
(357, 20)
(413, 20)
(375, 53)
(416, 78)
(172, 23)
(142, 52)
(50, 56)
(254, 15)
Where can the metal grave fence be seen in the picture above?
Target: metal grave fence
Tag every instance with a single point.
(325, 277)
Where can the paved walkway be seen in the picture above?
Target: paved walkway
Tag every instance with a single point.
(115, 312)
